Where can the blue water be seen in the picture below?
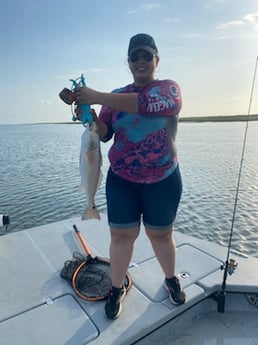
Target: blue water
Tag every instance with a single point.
(39, 179)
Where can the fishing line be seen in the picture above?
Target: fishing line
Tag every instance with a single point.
(226, 266)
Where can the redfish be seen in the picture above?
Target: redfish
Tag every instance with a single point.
(90, 168)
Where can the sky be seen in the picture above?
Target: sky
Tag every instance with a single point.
(209, 47)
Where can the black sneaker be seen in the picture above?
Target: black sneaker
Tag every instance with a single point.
(176, 295)
(113, 305)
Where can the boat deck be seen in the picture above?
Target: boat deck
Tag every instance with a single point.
(37, 307)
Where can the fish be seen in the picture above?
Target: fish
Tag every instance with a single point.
(90, 169)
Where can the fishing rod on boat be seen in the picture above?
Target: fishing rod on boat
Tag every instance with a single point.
(230, 265)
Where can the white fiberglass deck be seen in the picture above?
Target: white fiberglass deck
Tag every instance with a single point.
(37, 307)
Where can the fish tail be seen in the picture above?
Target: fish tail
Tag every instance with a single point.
(91, 213)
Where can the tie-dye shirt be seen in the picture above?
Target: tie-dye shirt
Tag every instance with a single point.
(142, 151)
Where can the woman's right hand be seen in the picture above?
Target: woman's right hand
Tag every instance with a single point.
(79, 113)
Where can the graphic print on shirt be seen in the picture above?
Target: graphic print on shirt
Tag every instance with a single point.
(160, 102)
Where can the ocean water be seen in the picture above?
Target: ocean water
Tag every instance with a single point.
(39, 179)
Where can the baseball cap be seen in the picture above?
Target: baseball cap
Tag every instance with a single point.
(142, 41)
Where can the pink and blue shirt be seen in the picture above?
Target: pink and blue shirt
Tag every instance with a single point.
(141, 151)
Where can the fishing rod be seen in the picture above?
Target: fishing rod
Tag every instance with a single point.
(230, 265)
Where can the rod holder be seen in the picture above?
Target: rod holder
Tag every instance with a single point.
(221, 300)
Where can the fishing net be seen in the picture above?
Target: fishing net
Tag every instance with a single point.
(90, 277)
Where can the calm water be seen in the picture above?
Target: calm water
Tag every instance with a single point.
(39, 179)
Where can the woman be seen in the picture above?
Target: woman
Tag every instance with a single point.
(143, 182)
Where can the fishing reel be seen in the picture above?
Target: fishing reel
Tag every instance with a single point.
(68, 97)
(228, 267)
(231, 266)
(5, 220)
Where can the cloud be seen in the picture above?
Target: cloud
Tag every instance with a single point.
(252, 18)
(145, 7)
(131, 12)
(170, 20)
(77, 74)
(150, 6)
(61, 77)
(96, 70)
(232, 24)
(43, 102)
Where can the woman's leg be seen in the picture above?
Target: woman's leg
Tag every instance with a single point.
(161, 201)
(164, 246)
(124, 215)
(121, 249)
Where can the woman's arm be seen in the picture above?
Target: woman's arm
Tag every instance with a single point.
(126, 102)
(161, 98)
(102, 127)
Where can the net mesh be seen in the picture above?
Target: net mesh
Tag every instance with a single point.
(90, 277)
(70, 266)
(93, 279)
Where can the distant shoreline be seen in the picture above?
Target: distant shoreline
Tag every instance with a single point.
(219, 118)
(212, 118)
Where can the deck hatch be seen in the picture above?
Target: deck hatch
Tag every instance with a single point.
(192, 263)
(61, 322)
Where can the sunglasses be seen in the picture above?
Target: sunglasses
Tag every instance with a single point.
(141, 55)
